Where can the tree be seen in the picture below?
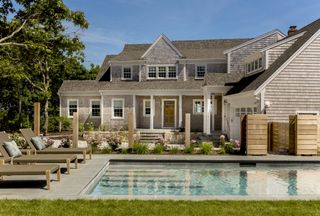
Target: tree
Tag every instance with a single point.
(38, 50)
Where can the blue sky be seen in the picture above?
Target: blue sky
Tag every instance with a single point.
(116, 22)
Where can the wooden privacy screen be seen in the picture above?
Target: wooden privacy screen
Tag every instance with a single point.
(279, 137)
(303, 134)
(254, 134)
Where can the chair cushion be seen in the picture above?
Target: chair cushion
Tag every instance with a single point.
(12, 148)
(38, 143)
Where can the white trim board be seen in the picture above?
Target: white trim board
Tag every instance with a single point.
(254, 40)
(68, 103)
(94, 100)
(112, 108)
(162, 36)
(283, 66)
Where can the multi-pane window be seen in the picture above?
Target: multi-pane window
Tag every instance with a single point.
(118, 108)
(146, 107)
(152, 72)
(73, 107)
(95, 108)
(245, 110)
(200, 71)
(254, 65)
(198, 106)
(162, 72)
(172, 72)
(127, 73)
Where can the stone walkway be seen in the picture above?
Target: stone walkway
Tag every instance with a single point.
(72, 186)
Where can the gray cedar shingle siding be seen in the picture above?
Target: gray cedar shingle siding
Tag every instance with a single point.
(237, 57)
(276, 52)
(296, 88)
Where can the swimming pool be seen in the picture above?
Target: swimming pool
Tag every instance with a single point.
(208, 179)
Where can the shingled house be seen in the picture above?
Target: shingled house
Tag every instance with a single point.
(214, 80)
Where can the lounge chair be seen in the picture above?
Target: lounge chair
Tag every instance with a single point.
(27, 133)
(47, 170)
(27, 159)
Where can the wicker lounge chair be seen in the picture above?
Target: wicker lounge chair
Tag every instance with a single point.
(27, 159)
(27, 133)
(13, 170)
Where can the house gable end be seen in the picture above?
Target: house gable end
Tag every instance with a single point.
(162, 51)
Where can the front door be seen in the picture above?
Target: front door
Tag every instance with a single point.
(169, 107)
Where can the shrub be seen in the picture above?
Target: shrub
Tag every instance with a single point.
(124, 151)
(81, 127)
(106, 150)
(158, 149)
(140, 148)
(206, 148)
(228, 148)
(189, 150)
(89, 126)
(222, 140)
(114, 142)
(174, 150)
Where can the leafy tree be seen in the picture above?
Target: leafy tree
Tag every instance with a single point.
(37, 53)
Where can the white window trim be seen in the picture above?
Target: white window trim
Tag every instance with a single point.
(68, 109)
(167, 72)
(95, 100)
(122, 72)
(112, 107)
(254, 70)
(144, 107)
(175, 112)
(193, 104)
(196, 71)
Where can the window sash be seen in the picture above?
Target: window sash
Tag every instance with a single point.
(95, 109)
(146, 107)
(162, 72)
(73, 107)
(118, 108)
(200, 71)
(127, 73)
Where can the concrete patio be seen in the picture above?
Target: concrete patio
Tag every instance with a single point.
(73, 186)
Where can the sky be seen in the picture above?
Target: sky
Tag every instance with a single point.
(113, 23)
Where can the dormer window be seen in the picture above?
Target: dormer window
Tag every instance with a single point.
(200, 71)
(127, 73)
(254, 66)
(162, 72)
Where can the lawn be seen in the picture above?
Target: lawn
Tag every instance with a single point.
(159, 208)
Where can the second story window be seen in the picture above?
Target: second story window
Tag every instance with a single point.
(200, 71)
(152, 72)
(127, 73)
(162, 72)
(254, 66)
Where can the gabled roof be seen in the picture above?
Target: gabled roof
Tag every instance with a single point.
(104, 67)
(275, 31)
(162, 37)
(261, 78)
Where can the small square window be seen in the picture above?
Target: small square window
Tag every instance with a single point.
(198, 107)
(200, 71)
(152, 72)
(249, 110)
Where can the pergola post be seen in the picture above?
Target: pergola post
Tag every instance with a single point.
(130, 129)
(36, 118)
(75, 127)
(187, 130)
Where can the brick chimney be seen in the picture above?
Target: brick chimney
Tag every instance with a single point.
(292, 30)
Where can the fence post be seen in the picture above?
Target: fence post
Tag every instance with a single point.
(187, 130)
(36, 118)
(130, 129)
(75, 127)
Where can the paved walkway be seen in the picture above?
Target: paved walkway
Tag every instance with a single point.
(72, 186)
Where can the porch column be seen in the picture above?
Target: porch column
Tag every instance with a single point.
(206, 114)
(180, 111)
(212, 111)
(101, 110)
(134, 111)
(222, 114)
(151, 111)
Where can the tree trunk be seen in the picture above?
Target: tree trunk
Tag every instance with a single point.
(46, 115)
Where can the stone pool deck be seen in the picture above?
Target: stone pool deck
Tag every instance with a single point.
(73, 186)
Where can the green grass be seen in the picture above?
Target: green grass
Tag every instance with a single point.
(158, 208)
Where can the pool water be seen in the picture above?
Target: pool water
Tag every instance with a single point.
(191, 179)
